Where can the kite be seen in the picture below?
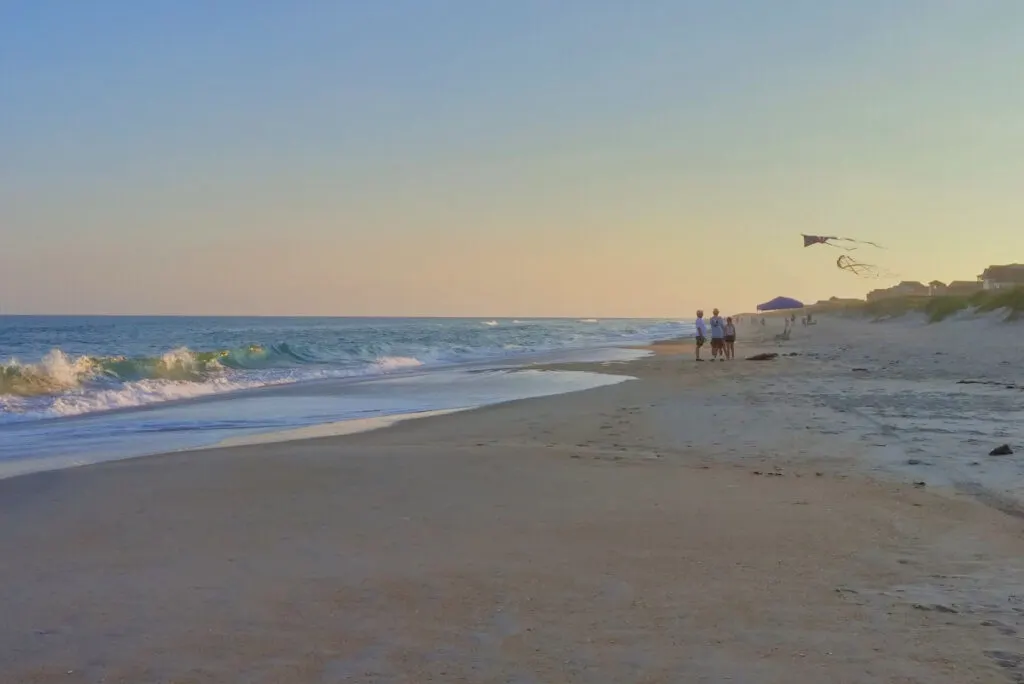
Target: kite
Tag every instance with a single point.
(845, 262)
(848, 263)
(831, 241)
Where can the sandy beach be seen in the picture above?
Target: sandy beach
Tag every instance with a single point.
(831, 515)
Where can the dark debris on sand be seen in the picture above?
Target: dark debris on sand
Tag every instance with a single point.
(992, 383)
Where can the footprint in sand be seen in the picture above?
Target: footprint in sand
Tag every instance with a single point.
(1012, 662)
(1001, 627)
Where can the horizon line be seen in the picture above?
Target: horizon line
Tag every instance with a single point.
(361, 316)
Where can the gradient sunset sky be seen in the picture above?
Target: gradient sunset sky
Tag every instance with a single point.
(499, 158)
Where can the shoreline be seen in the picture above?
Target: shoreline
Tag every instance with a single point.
(339, 428)
(703, 522)
(196, 423)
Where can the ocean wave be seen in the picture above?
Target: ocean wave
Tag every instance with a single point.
(60, 372)
(61, 382)
(91, 398)
(145, 392)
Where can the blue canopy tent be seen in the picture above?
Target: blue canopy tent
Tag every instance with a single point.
(780, 303)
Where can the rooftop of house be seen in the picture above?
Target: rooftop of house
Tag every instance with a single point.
(1013, 272)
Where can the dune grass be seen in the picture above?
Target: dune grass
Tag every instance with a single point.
(940, 308)
(895, 306)
(1011, 300)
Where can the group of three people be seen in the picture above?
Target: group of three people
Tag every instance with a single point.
(723, 336)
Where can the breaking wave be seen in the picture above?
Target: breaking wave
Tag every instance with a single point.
(64, 385)
(60, 383)
(59, 372)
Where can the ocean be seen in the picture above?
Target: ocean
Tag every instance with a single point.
(78, 390)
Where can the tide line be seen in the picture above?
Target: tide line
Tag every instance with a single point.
(335, 429)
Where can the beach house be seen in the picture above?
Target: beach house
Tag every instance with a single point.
(936, 288)
(963, 287)
(910, 288)
(1002, 277)
(907, 288)
(836, 304)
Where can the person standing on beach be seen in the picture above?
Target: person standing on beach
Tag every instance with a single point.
(717, 336)
(730, 338)
(702, 332)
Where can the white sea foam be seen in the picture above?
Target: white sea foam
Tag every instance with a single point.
(143, 393)
(389, 363)
(56, 371)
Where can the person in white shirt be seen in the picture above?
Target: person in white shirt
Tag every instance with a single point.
(717, 336)
(702, 332)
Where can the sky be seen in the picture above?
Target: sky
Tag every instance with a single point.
(499, 158)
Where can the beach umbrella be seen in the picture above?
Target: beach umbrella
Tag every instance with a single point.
(780, 303)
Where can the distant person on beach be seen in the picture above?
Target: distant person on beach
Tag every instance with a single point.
(702, 332)
(717, 336)
(730, 338)
(787, 329)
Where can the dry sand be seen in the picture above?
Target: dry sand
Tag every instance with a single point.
(703, 523)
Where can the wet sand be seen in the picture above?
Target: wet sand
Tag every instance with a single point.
(702, 523)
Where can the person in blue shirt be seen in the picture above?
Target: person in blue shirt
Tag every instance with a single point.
(717, 336)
